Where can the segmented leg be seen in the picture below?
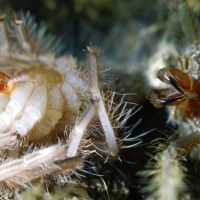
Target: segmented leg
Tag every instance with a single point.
(34, 110)
(38, 164)
(55, 159)
(76, 134)
(101, 111)
(4, 44)
(18, 99)
(39, 101)
(23, 37)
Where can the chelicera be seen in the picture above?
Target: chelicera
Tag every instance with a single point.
(184, 93)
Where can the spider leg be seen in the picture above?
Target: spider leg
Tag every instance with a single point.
(18, 99)
(57, 159)
(101, 110)
(40, 163)
(34, 111)
(50, 160)
(76, 134)
(13, 108)
(8, 139)
(22, 34)
(167, 175)
(4, 43)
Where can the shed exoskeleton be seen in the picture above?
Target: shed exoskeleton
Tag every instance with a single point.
(43, 96)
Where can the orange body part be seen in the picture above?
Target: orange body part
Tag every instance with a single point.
(184, 93)
(6, 84)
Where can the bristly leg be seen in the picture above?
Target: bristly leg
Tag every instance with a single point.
(164, 176)
(41, 163)
(111, 141)
(76, 134)
(4, 48)
(46, 94)
(165, 171)
(57, 159)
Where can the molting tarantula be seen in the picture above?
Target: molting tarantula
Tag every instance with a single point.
(182, 96)
(41, 97)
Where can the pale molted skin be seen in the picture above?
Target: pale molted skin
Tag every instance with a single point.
(42, 97)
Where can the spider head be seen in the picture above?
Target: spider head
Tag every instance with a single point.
(183, 92)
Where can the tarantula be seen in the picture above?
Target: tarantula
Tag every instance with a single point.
(42, 96)
(182, 98)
